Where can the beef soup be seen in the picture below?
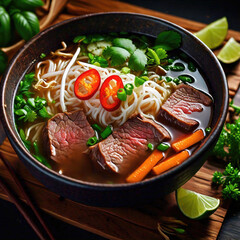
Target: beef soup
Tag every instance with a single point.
(114, 108)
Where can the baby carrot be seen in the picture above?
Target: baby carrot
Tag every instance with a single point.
(188, 140)
(145, 167)
(171, 162)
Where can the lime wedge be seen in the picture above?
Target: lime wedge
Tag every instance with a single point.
(230, 52)
(214, 33)
(195, 205)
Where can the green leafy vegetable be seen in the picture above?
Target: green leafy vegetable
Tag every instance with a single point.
(27, 108)
(5, 27)
(124, 43)
(117, 55)
(162, 54)
(28, 5)
(138, 60)
(3, 61)
(98, 59)
(228, 148)
(168, 40)
(26, 24)
(153, 55)
(230, 179)
(228, 144)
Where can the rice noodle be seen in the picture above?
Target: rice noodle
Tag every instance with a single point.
(55, 82)
(62, 91)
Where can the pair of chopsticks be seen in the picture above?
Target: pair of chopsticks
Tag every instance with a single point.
(31, 221)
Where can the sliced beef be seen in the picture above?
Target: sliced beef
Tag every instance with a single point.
(184, 101)
(127, 147)
(65, 136)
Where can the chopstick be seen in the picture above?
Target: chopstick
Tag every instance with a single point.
(21, 209)
(29, 202)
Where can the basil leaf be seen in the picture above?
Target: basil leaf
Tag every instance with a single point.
(117, 55)
(5, 27)
(168, 40)
(124, 43)
(26, 24)
(28, 5)
(137, 61)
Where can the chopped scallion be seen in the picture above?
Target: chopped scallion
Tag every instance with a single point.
(92, 141)
(106, 132)
(208, 130)
(121, 94)
(163, 147)
(96, 127)
(129, 88)
(43, 55)
(139, 81)
(150, 146)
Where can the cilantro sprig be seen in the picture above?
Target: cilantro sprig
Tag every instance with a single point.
(27, 108)
(228, 148)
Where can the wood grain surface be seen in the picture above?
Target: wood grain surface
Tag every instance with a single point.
(128, 223)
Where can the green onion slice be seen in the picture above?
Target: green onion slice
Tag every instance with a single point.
(150, 146)
(121, 94)
(106, 132)
(92, 141)
(129, 88)
(163, 147)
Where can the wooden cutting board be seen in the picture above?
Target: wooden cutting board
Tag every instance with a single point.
(141, 222)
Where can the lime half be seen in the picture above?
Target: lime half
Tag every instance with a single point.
(230, 52)
(195, 205)
(214, 34)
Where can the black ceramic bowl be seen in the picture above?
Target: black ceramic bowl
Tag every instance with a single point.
(117, 194)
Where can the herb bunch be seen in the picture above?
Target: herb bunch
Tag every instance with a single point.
(228, 148)
(129, 50)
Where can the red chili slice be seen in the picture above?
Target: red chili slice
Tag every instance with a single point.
(87, 84)
(108, 93)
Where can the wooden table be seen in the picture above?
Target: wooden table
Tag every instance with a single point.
(129, 223)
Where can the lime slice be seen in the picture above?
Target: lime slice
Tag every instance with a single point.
(195, 205)
(230, 52)
(214, 33)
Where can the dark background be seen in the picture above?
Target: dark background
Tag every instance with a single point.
(14, 226)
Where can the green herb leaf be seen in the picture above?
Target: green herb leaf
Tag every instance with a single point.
(117, 55)
(44, 113)
(124, 43)
(98, 59)
(168, 40)
(138, 60)
(5, 29)
(153, 55)
(162, 54)
(26, 24)
(28, 5)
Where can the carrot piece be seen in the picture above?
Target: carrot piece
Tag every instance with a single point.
(145, 167)
(188, 141)
(171, 162)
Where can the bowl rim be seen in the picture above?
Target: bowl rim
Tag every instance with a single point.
(17, 143)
